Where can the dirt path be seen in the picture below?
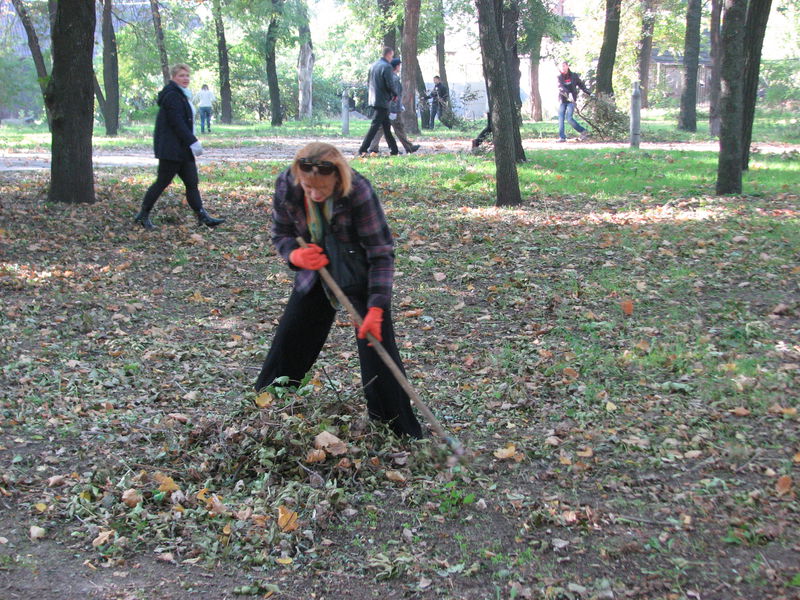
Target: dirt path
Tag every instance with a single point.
(284, 149)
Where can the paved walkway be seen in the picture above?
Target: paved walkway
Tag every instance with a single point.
(284, 149)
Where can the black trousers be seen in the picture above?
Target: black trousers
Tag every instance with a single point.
(167, 169)
(380, 120)
(301, 333)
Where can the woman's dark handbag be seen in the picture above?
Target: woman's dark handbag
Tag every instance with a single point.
(348, 265)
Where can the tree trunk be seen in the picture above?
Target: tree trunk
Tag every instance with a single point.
(714, 84)
(305, 73)
(36, 52)
(226, 111)
(441, 56)
(162, 49)
(755, 28)
(98, 94)
(645, 48)
(502, 105)
(608, 51)
(410, 65)
(424, 108)
(70, 97)
(729, 169)
(687, 119)
(272, 70)
(509, 14)
(536, 96)
(110, 72)
(390, 33)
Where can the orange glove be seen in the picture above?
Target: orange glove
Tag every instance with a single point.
(310, 257)
(372, 324)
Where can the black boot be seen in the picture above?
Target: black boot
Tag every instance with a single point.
(203, 218)
(143, 218)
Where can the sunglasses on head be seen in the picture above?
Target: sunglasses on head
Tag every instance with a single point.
(323, 167)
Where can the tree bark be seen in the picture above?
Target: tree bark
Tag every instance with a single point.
(36, 52)
(70, 97)
(608, 51)
(226, 112)
(509, 15)
(305, 73)
(645, 48)
(536, 95)
(162, 49)
(272, 70)
(714, 83)
(729, 169)
(410, 65)
(687, 119)
(501, 104)
(755, 28)
(110, 72)
(424, 108)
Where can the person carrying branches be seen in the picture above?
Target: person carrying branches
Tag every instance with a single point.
(568, 85)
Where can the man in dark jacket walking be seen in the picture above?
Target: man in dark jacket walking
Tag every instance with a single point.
(568, 84)
(381, 94)
(175, 148)
(395, 108)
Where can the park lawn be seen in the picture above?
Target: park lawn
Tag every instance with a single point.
(620, 355)
(658, 125)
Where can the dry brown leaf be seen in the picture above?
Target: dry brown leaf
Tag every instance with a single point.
(570, 373)
(740, 411)
(507, 452)
(264, 399)
(552, 440)
(438, 276)
(315, 456)
(394, 475)
(585, 453)
(104, 537)
(783, 485)
(327, 441)
(215, 506)
(131, 497)
(56, 481)
(796, 458)
(36, 532)
(287, 519)
(165, 483)
(627, 307)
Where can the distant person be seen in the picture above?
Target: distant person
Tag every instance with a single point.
(439, 96)
(205, 102)
(395, 108)
(381, 93)
(568, 85)
(175, 148)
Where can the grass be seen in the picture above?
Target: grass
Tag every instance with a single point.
(618, 353)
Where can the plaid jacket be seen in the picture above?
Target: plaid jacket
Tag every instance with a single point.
(357, 217)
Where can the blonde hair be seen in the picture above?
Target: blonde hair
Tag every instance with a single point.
(317, 151)
(179, 67)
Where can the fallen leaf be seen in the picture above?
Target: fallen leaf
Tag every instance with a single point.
(104, 537)
(627, 307)
(287, 519)
(740, 411)
(508, 452)
(264, 399)
(570, 373)
(439, 276)
(166, 557)
(37, 533)
(327, 441)
(394, 475)
(131, 497)
(40, 506)
(553, 440)
(784, 485)
(165, 483)
(284, 561)
(56, 481)
(610, 406)
(585, 453)
(315, 456)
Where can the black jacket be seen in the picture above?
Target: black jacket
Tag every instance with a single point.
(568, 84)
(174, 124)
(381, 84)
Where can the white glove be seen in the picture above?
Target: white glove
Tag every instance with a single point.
(392, 116)
(197, 148)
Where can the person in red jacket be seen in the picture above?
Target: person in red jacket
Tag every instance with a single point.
(319, 196)
(568, 85)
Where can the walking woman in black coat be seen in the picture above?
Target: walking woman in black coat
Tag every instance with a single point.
(176, 147)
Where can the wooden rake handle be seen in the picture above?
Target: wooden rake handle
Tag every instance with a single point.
(454, 444)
